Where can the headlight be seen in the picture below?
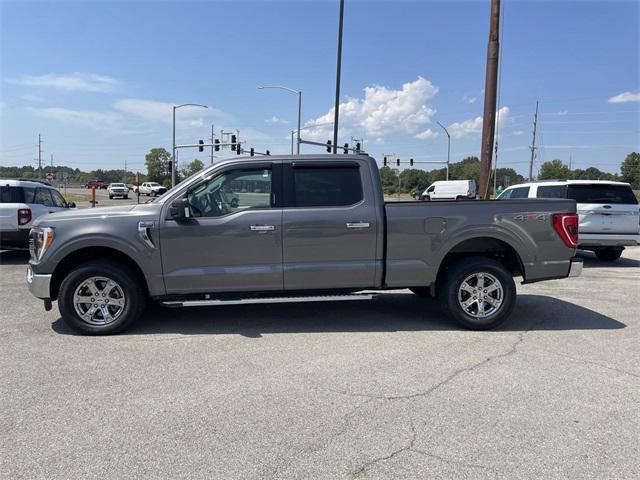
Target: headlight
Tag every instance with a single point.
(40, 239)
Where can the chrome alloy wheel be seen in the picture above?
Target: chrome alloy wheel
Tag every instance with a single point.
(480, 295)
(99, 300)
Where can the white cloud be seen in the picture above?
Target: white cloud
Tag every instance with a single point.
(625, 97)
(275, 120)
(474, 125)
(70, 82)
(469, 99)
(33, 98)
(382, 111)
(428, 134)
(101, 121)
(154, 111)
(562, 112)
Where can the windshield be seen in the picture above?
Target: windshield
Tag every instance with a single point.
(154, 184)
(117, 184)
(171, 191)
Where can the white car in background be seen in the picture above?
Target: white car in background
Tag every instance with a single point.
(609, 211)
(449, 190)
(151, 189)
(118, 190)
(21, 202)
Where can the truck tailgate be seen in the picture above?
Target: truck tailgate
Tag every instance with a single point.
(420, 234)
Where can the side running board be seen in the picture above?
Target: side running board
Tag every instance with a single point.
(261, 300)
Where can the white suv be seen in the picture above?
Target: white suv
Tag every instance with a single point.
(21, 202)
(118, 190)
(609, 212)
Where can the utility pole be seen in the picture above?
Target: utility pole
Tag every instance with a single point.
(533, 143)
(490, 98)
(570, 161)
(39, 157)
(338, 69)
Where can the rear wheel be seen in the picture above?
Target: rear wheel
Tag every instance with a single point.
(99, 298)
(478, 292)
(609, 254)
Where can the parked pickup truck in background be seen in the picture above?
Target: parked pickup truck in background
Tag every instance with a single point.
(152, 189)
(295, 228)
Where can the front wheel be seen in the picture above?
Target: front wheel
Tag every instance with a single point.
(101, 298)
(609, 254)
(478, 292)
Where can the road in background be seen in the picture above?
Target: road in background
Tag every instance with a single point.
(387, 388)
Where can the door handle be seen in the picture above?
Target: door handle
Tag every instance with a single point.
(358, 225)
(262, 228)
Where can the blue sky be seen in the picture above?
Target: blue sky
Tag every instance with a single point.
(97, 79)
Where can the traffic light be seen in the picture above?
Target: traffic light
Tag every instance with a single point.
(201, 147)
(170, 167)
(398, 162)
(268, 153)
(238, 149)
(329, 146)
(233, 142)
(385, 161)
(345, 148)
(411, 162)
(251, 151)
(358, 147)
(216, 146)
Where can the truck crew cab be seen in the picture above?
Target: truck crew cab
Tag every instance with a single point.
(295, 228)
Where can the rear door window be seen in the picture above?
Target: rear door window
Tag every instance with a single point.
(326, 186)
(520, 192)
(602, 193)
(552, 191)
(43, 197)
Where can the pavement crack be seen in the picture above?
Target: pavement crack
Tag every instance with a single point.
(451, 461)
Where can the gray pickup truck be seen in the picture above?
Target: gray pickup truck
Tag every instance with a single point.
(292, 229)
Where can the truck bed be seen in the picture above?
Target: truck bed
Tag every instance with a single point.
(420, 234)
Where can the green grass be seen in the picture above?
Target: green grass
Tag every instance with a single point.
(77, 198)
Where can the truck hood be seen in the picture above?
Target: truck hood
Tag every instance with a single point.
(100, 213)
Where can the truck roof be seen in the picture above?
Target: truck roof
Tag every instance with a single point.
(24, 182)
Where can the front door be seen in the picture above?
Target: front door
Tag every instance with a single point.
(329, 226)
(233, 240)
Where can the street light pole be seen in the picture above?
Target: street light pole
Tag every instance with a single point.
(336, 113)
(299, 94)
(448, 147)
(173, 153)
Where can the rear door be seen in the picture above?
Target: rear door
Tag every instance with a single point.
(329, 226)
(605, 208)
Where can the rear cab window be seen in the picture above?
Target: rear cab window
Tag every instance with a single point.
(326, 186)
(602, 193)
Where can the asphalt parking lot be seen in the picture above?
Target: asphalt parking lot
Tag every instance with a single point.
(382, 389)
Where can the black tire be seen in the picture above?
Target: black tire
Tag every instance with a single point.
(424, 292)
(609, 254)
(129, 282)
(110, 197)
(126, 197)
(449, 288)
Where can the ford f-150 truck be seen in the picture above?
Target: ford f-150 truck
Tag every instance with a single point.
(295, 228)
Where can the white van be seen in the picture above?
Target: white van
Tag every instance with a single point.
(609, 211)
(449, 190)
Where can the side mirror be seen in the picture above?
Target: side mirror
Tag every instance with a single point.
(179, 209)
(71, 204)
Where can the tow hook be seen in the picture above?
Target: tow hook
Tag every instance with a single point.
(47, 304)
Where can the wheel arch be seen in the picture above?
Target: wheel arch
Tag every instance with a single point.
(483, 246)
(85, 254)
